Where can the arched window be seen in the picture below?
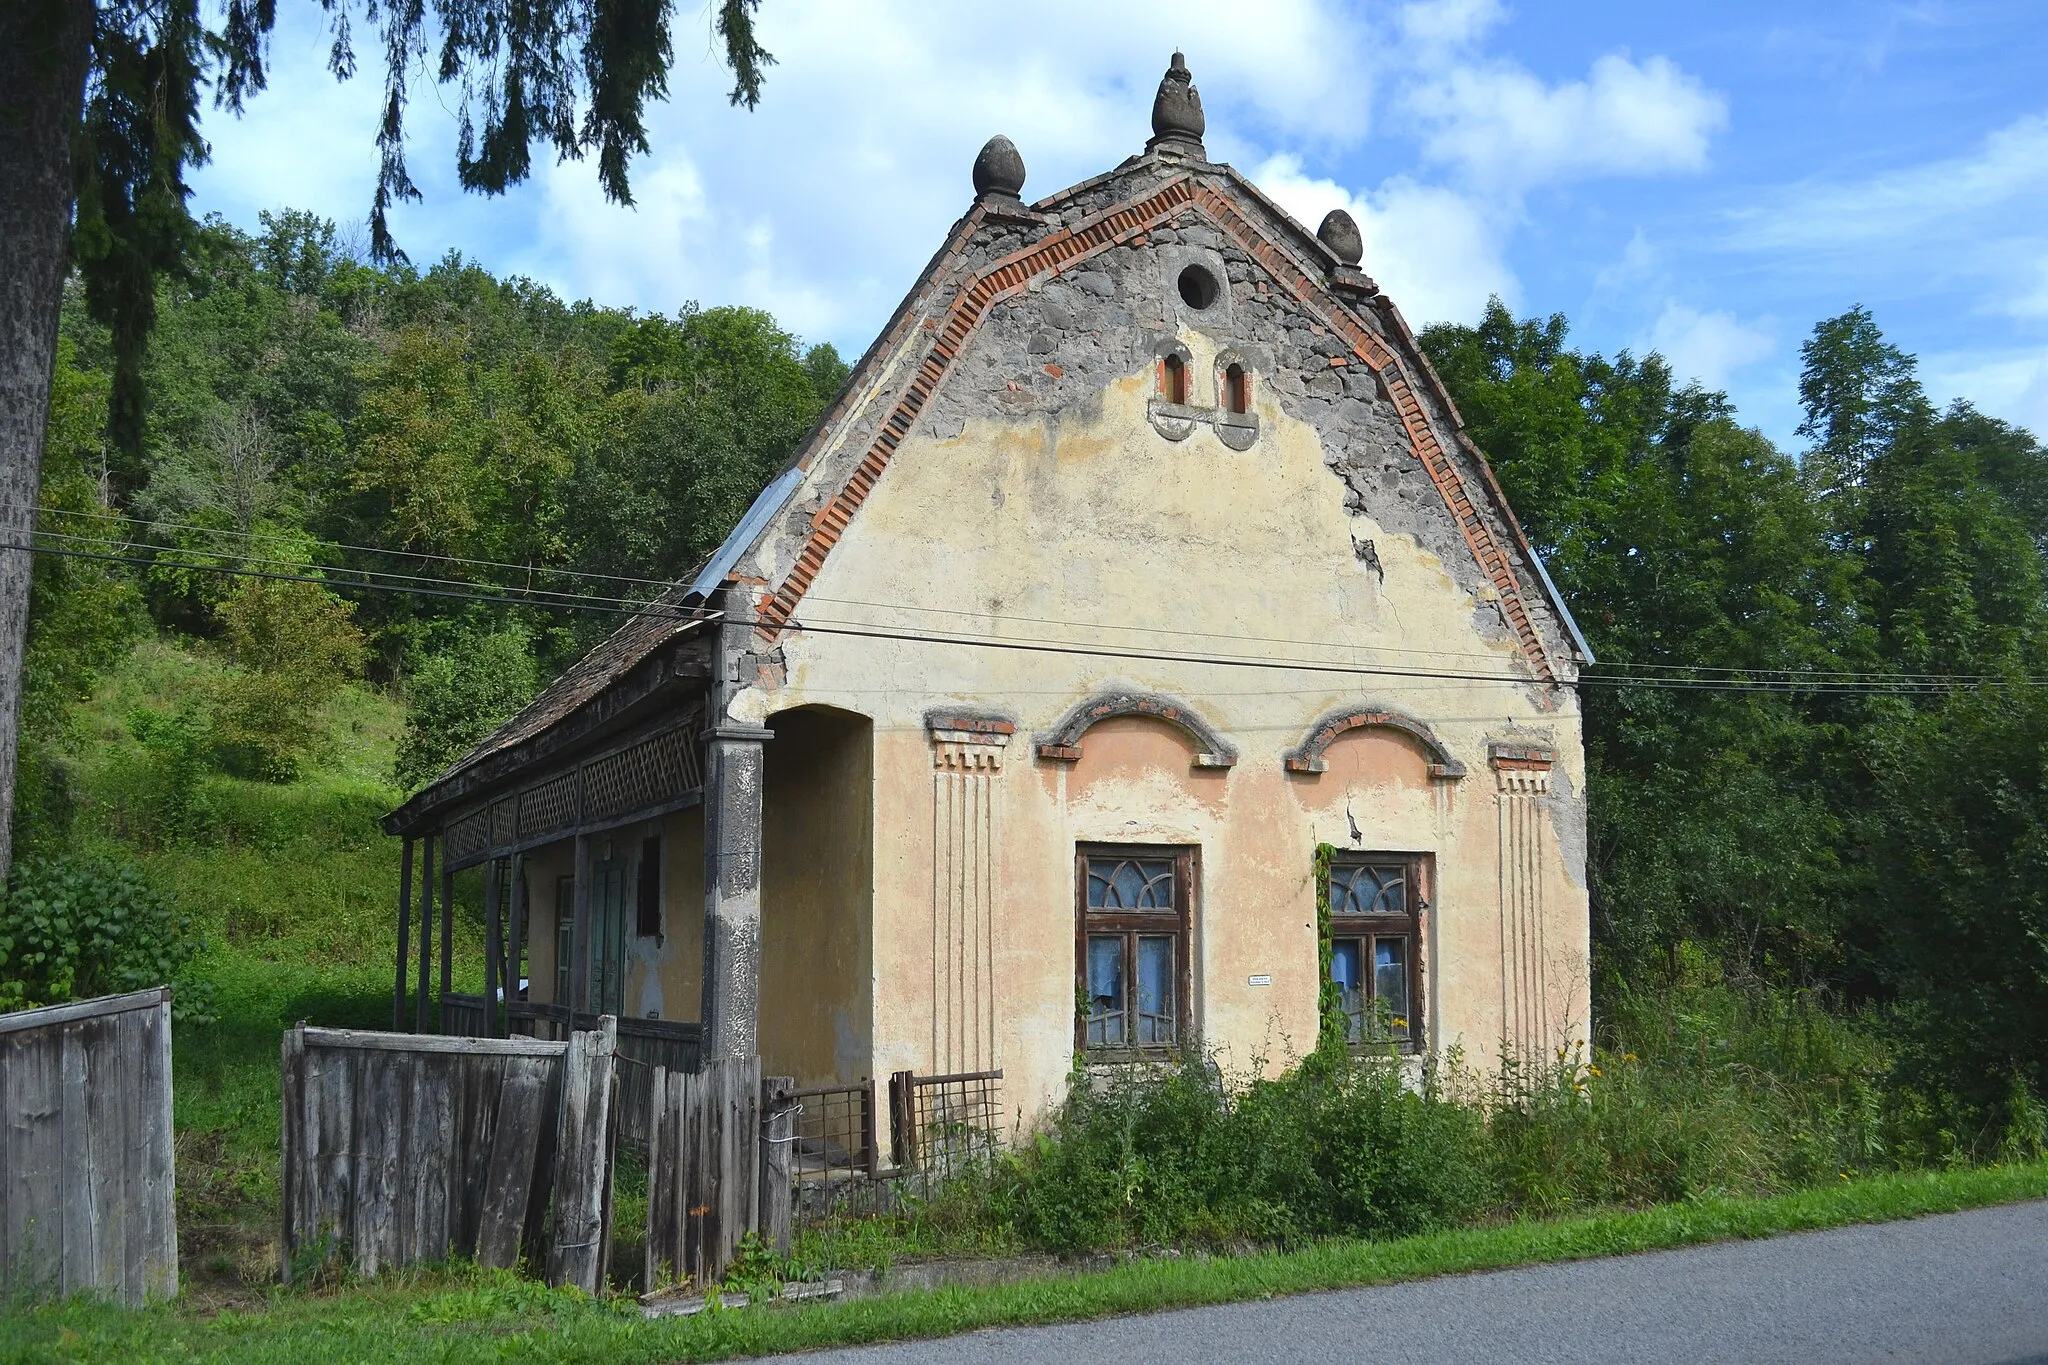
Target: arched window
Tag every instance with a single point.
(1173, 380)
(1237, 389)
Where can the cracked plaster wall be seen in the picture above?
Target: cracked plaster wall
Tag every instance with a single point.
(1035, 489)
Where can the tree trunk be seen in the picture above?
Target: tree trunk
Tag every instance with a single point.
(44, 49)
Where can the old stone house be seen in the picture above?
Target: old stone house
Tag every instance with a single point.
(1140, 588)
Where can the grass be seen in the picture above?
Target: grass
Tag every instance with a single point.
(457, 1314)
(291, 887)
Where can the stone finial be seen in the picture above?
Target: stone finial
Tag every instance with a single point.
(1339, 232)
(1177, 109)
(998, 170)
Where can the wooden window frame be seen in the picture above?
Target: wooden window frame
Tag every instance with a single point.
(565, 940)
(1237, 388)
(1180, 923)
(1418, 876)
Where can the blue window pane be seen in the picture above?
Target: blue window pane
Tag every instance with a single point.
(1368, 889)
(1155, 991)
(1390, 983)
(1130, 884)
(1106, 992)
(1346, 969)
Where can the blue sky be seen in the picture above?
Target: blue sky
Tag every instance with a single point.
(1704, 180)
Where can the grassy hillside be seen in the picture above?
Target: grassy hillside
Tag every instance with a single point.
(293, 888)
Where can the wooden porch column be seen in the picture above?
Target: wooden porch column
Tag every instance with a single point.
(579, 951)
(404, 933)
(515, 952)
(733, 773)
(419, 1024)
(492, 945)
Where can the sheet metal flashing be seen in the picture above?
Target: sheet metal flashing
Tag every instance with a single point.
(772, 500)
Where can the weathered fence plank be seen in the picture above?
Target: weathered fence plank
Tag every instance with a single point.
(87, 1197)
(703, 1181)
(583, 1157)
(778, 1138)
(401, 1148)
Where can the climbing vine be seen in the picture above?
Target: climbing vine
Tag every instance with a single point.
(1332, 1033)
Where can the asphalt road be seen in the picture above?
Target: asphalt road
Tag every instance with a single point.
(1963, 1287)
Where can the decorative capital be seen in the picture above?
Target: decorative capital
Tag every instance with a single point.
(968, 741)
(1522, 768)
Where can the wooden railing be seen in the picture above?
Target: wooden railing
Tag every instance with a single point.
(465, 1016)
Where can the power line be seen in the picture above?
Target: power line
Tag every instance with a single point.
(162, 560)
(1864, 685)
(1876, 687)
(655, 609)
(1798, 678)
(220, 532)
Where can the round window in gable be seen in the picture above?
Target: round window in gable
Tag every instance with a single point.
(1198, 288)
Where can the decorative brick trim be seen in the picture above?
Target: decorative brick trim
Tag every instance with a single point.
(1521, 755)
(1402, 390)
(1062, 744)
(969, 722)
(1307, 757)
(1000, 280)
(1070, 246)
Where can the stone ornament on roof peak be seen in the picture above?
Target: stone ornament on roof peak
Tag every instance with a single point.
(998, 170)
(1339, 232)
(1177, 110)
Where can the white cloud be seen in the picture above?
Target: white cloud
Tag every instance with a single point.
(1709, 347)
(2009, 384)
(824, 203)
(1904, 208)
(1440, 25)
(1506, 129)
(1438, 254)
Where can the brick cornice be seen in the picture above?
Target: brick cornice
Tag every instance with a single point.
(1066, 248)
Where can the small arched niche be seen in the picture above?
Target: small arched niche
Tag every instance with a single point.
(1173, 379)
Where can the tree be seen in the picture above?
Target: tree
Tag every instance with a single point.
(296, 644)
(99, 119)
(459, 695)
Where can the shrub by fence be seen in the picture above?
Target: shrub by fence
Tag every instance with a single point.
(403, 1148)
(86, 1183)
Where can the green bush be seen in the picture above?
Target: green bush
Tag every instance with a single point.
(1177, 1155)
(459, 695)
(157, 786)
(296, 644)
(74, 928)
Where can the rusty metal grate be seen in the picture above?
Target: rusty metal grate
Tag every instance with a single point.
(834, 1156)
(944, 1123)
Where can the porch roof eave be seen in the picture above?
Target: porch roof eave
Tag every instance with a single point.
(667, 681)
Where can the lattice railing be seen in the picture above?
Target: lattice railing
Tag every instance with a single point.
(661, 770)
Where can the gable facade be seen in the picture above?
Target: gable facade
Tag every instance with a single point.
(1140, 592)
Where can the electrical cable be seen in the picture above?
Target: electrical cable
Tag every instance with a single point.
(1863, 685)
(1797, 676)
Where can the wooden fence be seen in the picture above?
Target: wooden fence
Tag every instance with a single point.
(86, 1198)
(401, 1148)
(644, 1045)
(704, 1188)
